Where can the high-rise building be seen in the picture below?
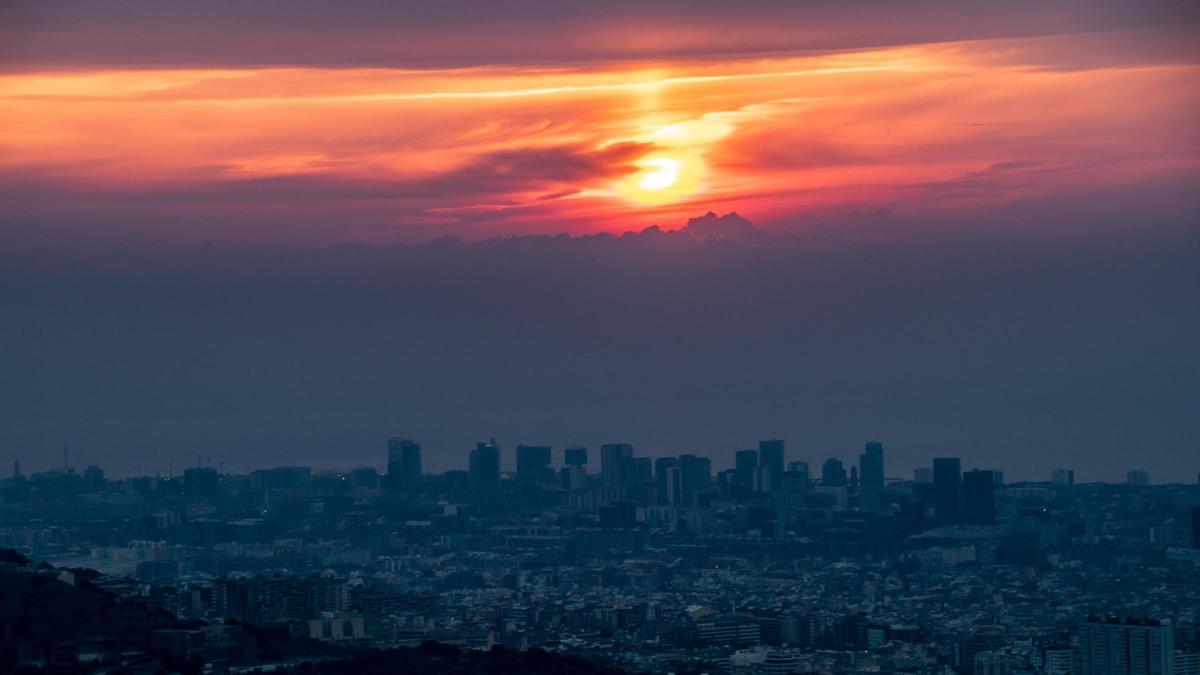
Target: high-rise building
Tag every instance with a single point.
(575, 456)
(833, 473)
(612, 456)
(1187, 663)
(1126, 647)
(573, 477)
(695, 475)
(947, 490)
(800, 466)
(200, 482)
(1138, 477)
(667, 481)
(771, 454)
(533, 462)
(404, 464)
(636, 471)
(745, 462)
(1062, 477)
(979, 500)
(485, 467)
(870, 476)
(923, 474)
(93, 478)
(796, 478)
(1059, 660)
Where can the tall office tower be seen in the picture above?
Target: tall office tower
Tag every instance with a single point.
(1126, 647)
(800, 466)
(612, 456)
(1138, 477)
(1196, 526)
(833, 473)
(1062, 476)
(745, 462)
(870, 476)
(575, 456)
(404, 464)
(795, 479)
(923, 474)
(695, 474)
(93, 478)
(16, 468)
(636, 471)
(764, 479)
(533, 461)
(485, 467)
(666, 481)
(947, 490)
(979, 499)
(853, 483)
(770, 454)
(574, 477)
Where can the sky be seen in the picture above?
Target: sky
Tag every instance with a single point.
(281, 227)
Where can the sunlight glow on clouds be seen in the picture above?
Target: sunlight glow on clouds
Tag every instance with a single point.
(371, 153)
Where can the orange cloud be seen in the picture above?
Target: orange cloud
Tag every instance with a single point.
(502, 150)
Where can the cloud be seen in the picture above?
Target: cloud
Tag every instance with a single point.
(413, 33)
(1015, 164)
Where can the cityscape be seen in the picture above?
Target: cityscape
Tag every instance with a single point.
(582, 337)
(775, 565)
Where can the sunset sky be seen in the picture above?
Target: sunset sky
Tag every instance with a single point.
(292, 124)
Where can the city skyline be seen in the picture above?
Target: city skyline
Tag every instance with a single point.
(404, 458)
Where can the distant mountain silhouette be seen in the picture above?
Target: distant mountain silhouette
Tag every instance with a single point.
(730, 225)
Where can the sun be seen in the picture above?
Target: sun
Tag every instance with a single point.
(664, 173)
(662, 179)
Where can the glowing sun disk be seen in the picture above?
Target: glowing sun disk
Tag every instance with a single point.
(664, 174)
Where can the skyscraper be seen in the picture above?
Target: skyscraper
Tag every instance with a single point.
(770, 455)
(870, 475)
(745, 462)
(404, 464)
(833, 473)
(979, 500)
(575, 456)
(1126, 647)
(612, 456)
(667, 481)
(636, 471)
(1138, 477)
(947, 490)
(485, 467)
(533, 461)
(1062, 476)
(695, 474)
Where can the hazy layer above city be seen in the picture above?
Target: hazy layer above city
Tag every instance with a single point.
(1014, 351)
